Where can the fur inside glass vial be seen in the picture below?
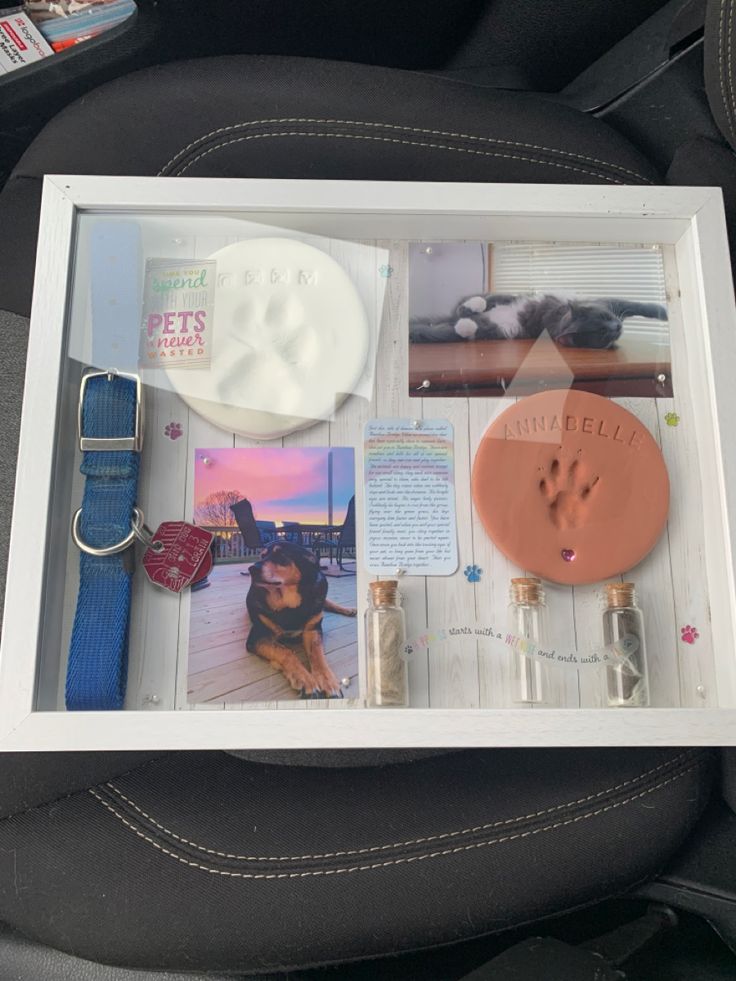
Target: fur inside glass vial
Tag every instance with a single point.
(627, 684)
(388, 671)
(528, 620)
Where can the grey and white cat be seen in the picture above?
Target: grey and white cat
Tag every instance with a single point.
(568, 321)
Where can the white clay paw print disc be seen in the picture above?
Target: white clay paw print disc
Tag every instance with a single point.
(290, 340)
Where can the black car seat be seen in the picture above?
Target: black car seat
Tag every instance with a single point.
(262, 862)
(206, 861)
(302, 118)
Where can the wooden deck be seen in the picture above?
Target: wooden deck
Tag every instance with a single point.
(220, 668)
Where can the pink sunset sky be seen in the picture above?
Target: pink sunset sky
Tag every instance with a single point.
(281, 484)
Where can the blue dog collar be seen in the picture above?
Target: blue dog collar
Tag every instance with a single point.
(110, 428)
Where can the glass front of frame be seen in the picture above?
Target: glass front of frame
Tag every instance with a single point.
(436, 473)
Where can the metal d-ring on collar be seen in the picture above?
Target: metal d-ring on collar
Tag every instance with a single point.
(136, 533)
(139, 532)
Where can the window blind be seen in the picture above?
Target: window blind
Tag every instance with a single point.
(629, 272)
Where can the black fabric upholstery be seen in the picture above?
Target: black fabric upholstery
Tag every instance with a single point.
(14, 331)
(202, 861)
(728, 767)
(337, 757)
(720, 65)
(23, 960)
(410, 34)
(30, 779)
(703, 163)
(552, 41)
(281, 117)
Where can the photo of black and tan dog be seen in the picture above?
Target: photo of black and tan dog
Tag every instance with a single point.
(286, 603)
(276, 621)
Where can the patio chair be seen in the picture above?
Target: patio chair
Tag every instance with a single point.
(247, 524)
(267, 531)
(256, 534)
(292, 532)
(345, 538)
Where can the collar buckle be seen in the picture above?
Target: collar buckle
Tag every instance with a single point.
(128, 444)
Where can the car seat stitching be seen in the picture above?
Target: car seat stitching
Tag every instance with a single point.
(389, 862)
(729, 62)
(398, 844)
(404, 129)
(722, 35)
(721, 67)
(386, 139)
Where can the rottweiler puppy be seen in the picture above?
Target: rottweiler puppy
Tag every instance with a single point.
(286, 602)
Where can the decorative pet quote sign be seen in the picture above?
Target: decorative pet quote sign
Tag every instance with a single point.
(410, 497)
(177, 313)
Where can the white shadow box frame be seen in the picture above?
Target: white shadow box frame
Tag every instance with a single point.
(689, 221)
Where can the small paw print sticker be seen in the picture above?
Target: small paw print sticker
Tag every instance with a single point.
(672, 418)
(472, 573)
(386, 272)
(689, 634)
(173, 430)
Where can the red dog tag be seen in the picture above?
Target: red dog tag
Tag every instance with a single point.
(184, 558)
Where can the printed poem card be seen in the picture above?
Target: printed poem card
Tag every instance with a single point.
(409, 474)
(178, 305)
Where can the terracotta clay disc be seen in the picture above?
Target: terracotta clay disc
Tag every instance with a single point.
(571, 487)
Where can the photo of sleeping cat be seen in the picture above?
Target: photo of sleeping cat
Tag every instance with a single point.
(571, 322)
(510, 318)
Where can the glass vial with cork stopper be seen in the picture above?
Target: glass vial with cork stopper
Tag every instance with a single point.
(385, 632)
(528, 621)
(627, 684)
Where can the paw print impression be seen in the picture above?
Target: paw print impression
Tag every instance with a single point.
(277, 344)
(472, 573)
(689, 634)
(567, 490)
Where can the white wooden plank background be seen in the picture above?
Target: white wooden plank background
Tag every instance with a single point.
(685, 527)
(671, 582)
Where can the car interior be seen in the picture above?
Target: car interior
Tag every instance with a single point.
(531, 864)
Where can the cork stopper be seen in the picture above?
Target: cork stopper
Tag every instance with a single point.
(527, 591)
(620, 594)
(385, 592)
